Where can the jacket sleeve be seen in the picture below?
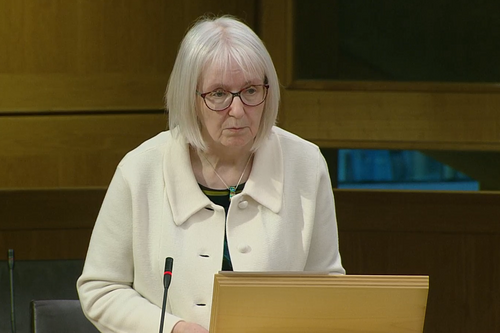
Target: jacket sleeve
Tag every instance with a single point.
(324, 249)
(106, 286)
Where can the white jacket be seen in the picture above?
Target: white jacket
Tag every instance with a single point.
(283, 220)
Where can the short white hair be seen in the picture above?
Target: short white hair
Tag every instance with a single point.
(216, 41)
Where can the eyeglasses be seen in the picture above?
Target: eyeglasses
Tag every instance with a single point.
(220, 99)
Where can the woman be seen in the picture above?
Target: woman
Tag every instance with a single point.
(223, 189)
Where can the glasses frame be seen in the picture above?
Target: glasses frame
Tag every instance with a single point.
(236, 94)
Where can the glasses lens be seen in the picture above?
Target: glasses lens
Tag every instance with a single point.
(253, 95)
(218, 99)
(221, 99)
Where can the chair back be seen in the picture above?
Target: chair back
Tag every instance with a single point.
(59, 316)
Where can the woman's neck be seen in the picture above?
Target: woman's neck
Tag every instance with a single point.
(219, 171)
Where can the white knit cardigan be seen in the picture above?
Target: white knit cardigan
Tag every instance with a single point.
(283, 220)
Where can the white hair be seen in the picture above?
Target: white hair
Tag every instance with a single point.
(214, 42)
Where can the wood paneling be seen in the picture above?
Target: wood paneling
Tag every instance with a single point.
(43, 244)
(297, 303)
(66, 55)
(70, 150)
(75, 77)
(95, 55)
(379, 115)
(452, 237)
(69, 208)
(47, 224)
(26, 93)
(393, 86)
(69, 58)
(276, 30)
(395, 120)
(409, 211)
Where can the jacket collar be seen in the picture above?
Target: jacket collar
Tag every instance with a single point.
(264, 185)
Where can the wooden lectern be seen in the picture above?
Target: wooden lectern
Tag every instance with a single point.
(303, 303)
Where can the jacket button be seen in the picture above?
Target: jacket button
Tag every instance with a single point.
(244, 248)
(243, 204)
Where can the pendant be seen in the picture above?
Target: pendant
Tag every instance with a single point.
(232, 191)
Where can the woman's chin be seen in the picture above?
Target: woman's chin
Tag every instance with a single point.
(237, 142)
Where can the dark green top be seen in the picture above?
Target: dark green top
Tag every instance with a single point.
(221, 198)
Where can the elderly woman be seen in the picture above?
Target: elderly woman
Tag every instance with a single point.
(223, 189)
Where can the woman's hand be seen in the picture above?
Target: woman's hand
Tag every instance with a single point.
(185, 327)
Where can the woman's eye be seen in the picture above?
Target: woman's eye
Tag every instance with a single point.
(250, 90)
(218, 93)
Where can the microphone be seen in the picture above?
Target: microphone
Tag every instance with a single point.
(167, 277)
(11, 280)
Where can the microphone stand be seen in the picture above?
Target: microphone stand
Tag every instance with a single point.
(11, 280)
(167, 277)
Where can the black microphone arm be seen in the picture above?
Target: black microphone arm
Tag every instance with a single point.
(167, 277)
(11, 280)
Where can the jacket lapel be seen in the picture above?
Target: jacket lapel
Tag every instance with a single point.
(183, 192)
(265, 184)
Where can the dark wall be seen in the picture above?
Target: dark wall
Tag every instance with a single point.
(411, 40)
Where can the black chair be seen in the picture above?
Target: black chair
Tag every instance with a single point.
(59, 316)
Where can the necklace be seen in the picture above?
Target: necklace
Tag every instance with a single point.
(232, 189)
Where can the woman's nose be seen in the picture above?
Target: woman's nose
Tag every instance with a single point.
(237, 108)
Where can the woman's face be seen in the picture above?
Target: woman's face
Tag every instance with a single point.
(236, 126)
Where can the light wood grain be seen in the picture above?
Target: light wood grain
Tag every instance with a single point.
(439, 121)
(26, 93)
(282, 303)
(274, 29)
(70, 150)
(95, 55)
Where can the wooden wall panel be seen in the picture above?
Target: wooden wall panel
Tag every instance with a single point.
(95, 55)
(74, 77)
(70, 150)
(461, 268)
(43, 224)
(275, 25)
(25, 93)
(378, 115)
(452, 237)
(67, 55)
(42, 244)
(395, 120)
(70, 58)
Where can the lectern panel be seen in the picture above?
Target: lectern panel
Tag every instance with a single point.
(318, 303)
